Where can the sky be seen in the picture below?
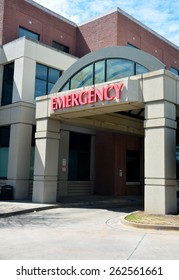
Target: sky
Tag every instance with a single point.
(162, 16)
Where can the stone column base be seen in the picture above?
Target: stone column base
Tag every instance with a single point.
(160, 200)
(44, 191)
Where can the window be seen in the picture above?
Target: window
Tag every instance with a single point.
(132, 46)
(174, 70)
(99, 72)
(139, 69)
(132, 166)
(79, 157)
(46, 77)
(32, 156)
(60, 47)
(4, 150)
(7, 87)
(83, 78)
(119, 68)
(102, 71)
(29, 34)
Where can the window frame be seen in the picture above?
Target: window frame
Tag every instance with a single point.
(7, 80)
(6, 144)
(21, 28)
(174, 70)
(133, 63)
(60, 47)
(46, 80)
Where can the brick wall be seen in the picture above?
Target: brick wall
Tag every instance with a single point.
(116, 29)
(20, 13)
(110, 30)
(1, 19)
(97, 34)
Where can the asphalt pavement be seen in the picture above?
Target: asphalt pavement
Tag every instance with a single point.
(88, 231)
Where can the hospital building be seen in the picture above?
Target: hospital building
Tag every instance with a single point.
(89, 109)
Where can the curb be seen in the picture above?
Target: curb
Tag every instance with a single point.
(147, 226)
(26, 211)
(65, 205)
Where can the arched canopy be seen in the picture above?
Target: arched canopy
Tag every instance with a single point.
(105, 65)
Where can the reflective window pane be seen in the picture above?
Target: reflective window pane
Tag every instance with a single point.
(7, 87)
(141, 69)
(28, 33)
(100, 72)
(60, 47)
(40, 88)
(65, 87)
(119, 68)
(174, 70)
(53, 75)
(50, 86)
(4, 150)
(46, 77)
(83, 78)
(41, 72)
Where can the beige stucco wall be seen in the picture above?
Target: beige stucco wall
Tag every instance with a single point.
(21, 113)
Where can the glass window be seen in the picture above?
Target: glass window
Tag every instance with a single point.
(132, 166)
(100, 72)
(83, 78)
(53, 75)
(30, 34)
(60, 47)
(40, 87)
(140, 69)
(32, 156)
(132, 46)
(7, 88)
(103, 71)
(46, 77)
(79, 157)
(41, 72)
(174, 70)
(4, 150)
(65, 87)
(119, 68)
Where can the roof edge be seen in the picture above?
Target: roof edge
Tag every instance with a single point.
(134, 20)
(37, 5)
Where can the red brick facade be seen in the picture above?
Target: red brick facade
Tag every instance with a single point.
(116, 29)
(49, 27)
(113, 29)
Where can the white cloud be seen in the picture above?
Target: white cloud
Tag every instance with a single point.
(159, 15)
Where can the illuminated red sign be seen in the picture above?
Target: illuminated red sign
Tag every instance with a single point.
(87, 96)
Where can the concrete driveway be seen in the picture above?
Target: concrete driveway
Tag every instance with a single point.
(82, 234)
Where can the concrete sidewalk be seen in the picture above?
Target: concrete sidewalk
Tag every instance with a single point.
(12, 208)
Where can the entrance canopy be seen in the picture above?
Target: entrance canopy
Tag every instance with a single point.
(102, 82)
(106, 65)
(121, 83)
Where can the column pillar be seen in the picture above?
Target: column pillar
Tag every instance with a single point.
(24, 80)
(160, 157)
(46, 161)
(19, 159)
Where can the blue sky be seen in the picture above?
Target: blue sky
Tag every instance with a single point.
(161, 16)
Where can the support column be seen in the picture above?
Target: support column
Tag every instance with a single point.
(19, 159)
(46, 161)
(160, 157)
